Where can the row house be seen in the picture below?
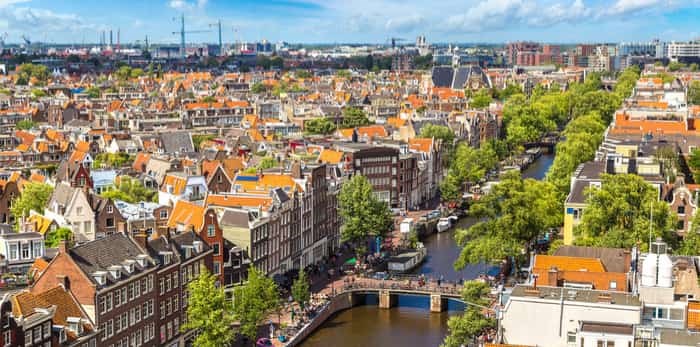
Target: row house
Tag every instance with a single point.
(9, 190)
(379, 164)
(113, 279)
(229, 113)
(178, 186)
(67, 325)
(19, 250)
(188, 216)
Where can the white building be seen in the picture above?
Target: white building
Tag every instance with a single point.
(569, 317)
(683, 50)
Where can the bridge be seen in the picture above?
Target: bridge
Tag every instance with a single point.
(388, 291)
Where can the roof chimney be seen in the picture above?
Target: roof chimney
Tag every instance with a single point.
(63, 281)
(63, 246)
(141, 238)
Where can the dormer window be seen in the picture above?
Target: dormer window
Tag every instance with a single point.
(197, 246)
(142, 259)
(100, 277)
(129, 266)
(166, 257)
(75, 325)
(115, 271)
(188, 251)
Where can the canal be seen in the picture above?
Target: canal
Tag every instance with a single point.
(410, 323)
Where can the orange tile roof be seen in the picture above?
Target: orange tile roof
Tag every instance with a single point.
(37, 177)
(77, 156)
(421, 144)
(209, 167)
(187, 214)
(694, 315)
(25, 137)
(330, 156)
(220, 200)
(265, 182)
(82, 146)
(141, 160)
(396, 122)
(372, 131)
(564, 263)
(415, 101)
(178, 184)
(346, 133)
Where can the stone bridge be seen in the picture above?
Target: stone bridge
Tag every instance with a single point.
(388, 291)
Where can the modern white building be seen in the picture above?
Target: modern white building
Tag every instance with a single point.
(683, 51)
(569, 317)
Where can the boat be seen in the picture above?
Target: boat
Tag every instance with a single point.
(443, 224)
(407, 261)
(453, 219)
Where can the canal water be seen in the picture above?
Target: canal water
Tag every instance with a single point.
(410, 323)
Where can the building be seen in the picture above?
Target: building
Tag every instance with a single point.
(112, 279)
(684, 52)
(568, 316)
(19, 250)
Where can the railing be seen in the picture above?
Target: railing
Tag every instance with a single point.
(449, 290)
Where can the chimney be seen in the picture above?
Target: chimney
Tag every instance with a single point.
(63, 246)
(296, 170)
(63, 281)
(141, 238)
(553, 277)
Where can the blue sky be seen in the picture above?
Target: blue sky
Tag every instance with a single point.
(355, 20)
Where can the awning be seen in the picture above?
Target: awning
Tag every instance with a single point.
(351, 261)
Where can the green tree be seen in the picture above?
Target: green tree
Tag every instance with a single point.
(363, 214)
(130, 190)
(675, 66)
(197, 139)
(54, 238)
(513, 215)
(618, 214)
(25, 124)
(114, 160)
(694, 67)
(319, 126)
(34, 197)
(481, 99)
(93, 92)
(27, 71)
(465, 328)
(354, 117)
(38, 93)
(694, 93)
(343, 73)
(258, 88)
(300, 289)
(694, 164)
(268, 162)
(690, 245)
(136, 73)
(439, 132)
(303, 74)
(254, 302)
(208, 99)
(208, 312)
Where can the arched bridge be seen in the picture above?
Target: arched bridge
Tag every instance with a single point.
(388, 290)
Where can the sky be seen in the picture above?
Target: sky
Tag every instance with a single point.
(353, 21)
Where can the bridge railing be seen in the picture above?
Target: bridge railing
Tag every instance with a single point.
(451, 290)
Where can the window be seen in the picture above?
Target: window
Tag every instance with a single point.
(176, 279)
(217, 268)
(216, 248)
(37, 333)
(110, 209)
(163, 214)
(110, 222)
(162, 309)
(103, 304)
(176, 304)
(28, 338)
(162, 334)
(117, 298)
(613, 285)
(47, 329)
(7, 337)
(169, 305)
(25, 251)
(161, 283)
(14, 251)
(211, 232)
(79, 210)
(680, 225)
(681, 209)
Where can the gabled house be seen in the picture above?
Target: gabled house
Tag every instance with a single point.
(218, 181)
(179, 186)
(75, 173)
(19, 250)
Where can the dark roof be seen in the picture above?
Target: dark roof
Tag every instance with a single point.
(234, 218)
(279, 195)
(177, 141)
(577, 295)
(614, 259)
(102, 253)
(62, 194)
(443, 76)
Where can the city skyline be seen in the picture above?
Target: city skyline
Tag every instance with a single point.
(316, 21)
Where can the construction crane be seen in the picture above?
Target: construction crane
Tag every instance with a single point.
(221, 45)
(26, 40)
(394, 40)
(182, 33)
(3, 38)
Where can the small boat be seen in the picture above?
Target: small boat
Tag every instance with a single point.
(453, 219)
(407, 261)
(443, 224)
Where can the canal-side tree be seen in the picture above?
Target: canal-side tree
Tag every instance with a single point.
(34, 197)
(300, 289)
(513, 215)
(364, 215)
(465, 328)
(618, 214)
(254, 301)
(208, 312)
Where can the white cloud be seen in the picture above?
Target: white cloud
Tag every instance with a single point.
(183, 5)
(24, 19)
(6, 3)
(405, 24)
(629, 6)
